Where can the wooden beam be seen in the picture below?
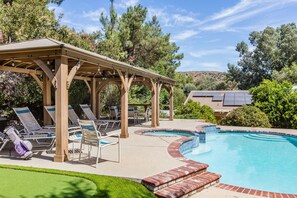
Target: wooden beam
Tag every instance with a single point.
(61, 110)
(98, 105)
(123, 79)
(46, 70)
(82, 78)
(124, 106)
(130, 81)
(73, 72)
(20, 70)
(47, 99)
(88, 85)
(171, 104)
(93, 96)
(158, 86)
(154, 104)
(40, 84)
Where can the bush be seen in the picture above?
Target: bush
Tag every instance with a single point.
(193, 110)
(278, 101)
(249, 116)
(188, 88)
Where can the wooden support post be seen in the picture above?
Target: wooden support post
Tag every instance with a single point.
(171, 106)
(159, 86)
(154, 104)
(47, 100)
(126, 84)
(124, 107)
(94, 96)
(61, 96)
(98, 105)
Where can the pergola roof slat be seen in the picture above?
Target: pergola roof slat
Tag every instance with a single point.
(40, 46)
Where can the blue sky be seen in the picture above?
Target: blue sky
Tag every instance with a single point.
(207, 31)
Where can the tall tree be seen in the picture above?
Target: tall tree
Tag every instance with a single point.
(24, 20)
(138, 41)
(274, 48)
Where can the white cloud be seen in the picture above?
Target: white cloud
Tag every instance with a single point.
(127, 3)
(184, 35)
(202, 53)
(241, 6)
(223, 21)
(94, 15)
(183, 18)
(161, 14)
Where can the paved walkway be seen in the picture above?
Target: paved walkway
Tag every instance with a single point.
(141, 156)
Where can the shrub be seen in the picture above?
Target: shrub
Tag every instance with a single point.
(278, 101)
(249, 116)
(188, 88)
(193, 110)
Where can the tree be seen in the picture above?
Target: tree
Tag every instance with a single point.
(286, 74)
(211, 83)
(188, 88)
(24, 20)
(138, 41)
(277, 101)
(274, 48)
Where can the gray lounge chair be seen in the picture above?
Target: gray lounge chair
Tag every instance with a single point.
(90, 115)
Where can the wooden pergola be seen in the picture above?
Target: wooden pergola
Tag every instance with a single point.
(57, 64)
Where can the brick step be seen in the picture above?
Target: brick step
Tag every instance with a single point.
(175, 175)
(189, 186)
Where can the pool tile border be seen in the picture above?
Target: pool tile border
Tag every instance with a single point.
(173, 150)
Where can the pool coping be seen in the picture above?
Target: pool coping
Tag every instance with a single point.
(173, 150)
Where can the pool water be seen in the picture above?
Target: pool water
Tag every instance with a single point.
(250, 160)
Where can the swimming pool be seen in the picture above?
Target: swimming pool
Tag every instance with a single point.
(251, 160)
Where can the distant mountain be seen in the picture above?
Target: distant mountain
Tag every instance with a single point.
(197, 75)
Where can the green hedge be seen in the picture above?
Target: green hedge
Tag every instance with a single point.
(248, 116)
(194, 110)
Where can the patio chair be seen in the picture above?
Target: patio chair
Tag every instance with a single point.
(75, 128)
(145, 115)
(90, 115)
(4, 138)
(31, 126)
(132, 113)
(51, 110)
(32, 129)
(92, 137)
(114, 113)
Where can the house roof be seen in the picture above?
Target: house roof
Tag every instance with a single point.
(221, 100)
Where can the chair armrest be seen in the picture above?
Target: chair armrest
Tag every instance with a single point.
(74, 128)
(110, 135)
(49, 127)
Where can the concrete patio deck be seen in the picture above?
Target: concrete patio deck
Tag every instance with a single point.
(141, 156)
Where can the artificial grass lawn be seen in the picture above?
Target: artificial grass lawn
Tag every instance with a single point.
(25, 182)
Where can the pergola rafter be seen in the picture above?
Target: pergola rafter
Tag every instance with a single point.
(51, 62)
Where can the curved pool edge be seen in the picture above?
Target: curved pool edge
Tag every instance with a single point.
(174, 150)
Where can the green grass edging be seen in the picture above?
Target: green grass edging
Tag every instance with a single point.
(107, 186)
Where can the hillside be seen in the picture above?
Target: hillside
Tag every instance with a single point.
(197, 75)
